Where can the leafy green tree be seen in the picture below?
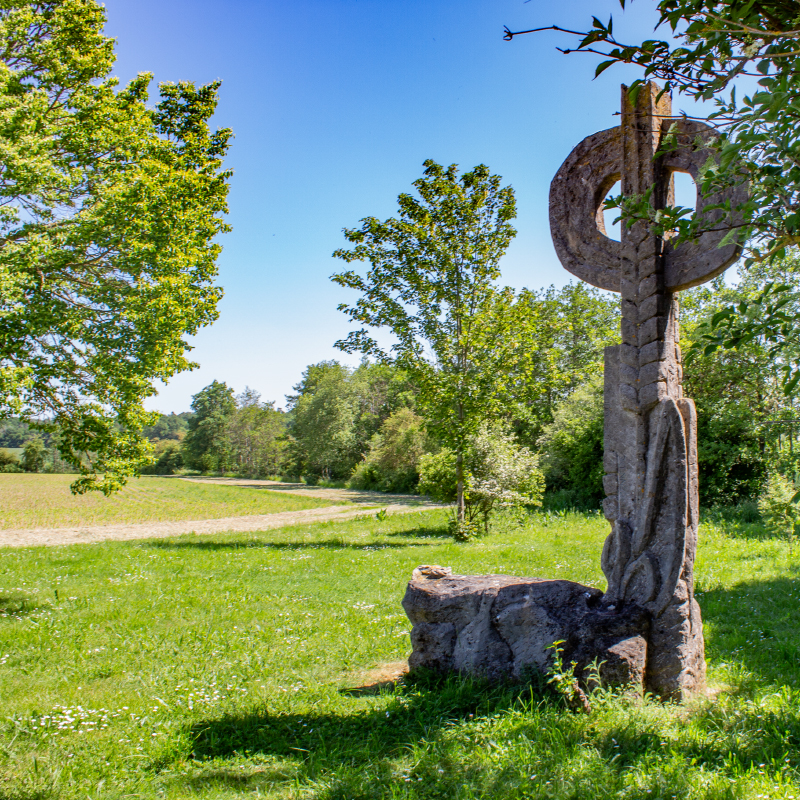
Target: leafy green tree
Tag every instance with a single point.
(255, 436)
(561, 337)
(432, 284)
(746, 424)
(168, 426)
(168, 458)
(712, 44)
(572, 445)
(205, 446)
(33, 456)
(108, 216)
(323, 416)
(335, 413)
(9, 462)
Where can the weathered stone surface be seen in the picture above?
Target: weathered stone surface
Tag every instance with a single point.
(501, 626)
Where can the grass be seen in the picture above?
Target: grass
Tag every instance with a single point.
(45, 501)
(232, 665)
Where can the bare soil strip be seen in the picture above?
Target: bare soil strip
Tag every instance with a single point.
(342, 495)
(394, 504)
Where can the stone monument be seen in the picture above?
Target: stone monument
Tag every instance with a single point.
(646, 628)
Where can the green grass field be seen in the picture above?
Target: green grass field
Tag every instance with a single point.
(229, 666)
(45, 501)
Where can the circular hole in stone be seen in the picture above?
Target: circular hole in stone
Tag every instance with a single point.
(612, 230)
(685, 190)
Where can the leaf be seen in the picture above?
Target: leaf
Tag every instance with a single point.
(603, 66)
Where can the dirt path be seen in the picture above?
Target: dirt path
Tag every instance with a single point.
(340, 495)
(394, 504)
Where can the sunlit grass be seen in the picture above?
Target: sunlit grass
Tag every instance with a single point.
(224, 666)
(45, 501)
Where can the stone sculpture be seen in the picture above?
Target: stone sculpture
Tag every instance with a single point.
(647, 627)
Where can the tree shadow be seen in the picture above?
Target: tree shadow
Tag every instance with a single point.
(415, 710)
(17, 606)
(754, 623)
(423, 532)
(329, 544)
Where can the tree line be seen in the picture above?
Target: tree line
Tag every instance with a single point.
(365, 426)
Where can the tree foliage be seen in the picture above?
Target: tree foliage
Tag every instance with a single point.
(561, 337)
(391, 463)
(335, 413)
(499, 473)
(205, 445)
(572, 445)
(109, 212)
(432, 284)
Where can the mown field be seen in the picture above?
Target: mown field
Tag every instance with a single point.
(45, 501)
(232, 665)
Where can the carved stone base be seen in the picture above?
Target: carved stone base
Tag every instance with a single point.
(501, 626)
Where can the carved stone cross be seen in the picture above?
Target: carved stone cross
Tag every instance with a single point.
(650, 459)
(645, 630)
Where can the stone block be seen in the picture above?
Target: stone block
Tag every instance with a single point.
(499, 626)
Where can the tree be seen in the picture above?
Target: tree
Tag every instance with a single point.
(572, 445)
(254, 436)
(109, 209)
(34, 455)
(205, 445)
(712, 45)
(432, 284)
(561, 337)
(323, 416)
(168, 426)
(392, 461)
(747, 426)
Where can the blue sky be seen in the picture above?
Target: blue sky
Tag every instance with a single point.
(334, 105)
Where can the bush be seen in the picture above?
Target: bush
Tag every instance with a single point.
(9, 462)
(437, 476)
(499, 474)
(572, 446)
(392, 463)
(33, 456)
(168, 459)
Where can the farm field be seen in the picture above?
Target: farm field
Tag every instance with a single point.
(45, 501)
(244, 664)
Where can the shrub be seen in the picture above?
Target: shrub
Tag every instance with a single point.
(572, 446)
(9, 462)
(500, 473)
(392, 463)
(168, 459)
(33, 455)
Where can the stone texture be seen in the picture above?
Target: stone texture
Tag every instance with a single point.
(501, 626)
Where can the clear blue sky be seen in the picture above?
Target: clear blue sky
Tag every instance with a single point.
(334, 105)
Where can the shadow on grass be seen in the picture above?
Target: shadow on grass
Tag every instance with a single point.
(423, 533)
(17, 606)
(755, 624)
(415, 711)
(730, 742)
(329, 544)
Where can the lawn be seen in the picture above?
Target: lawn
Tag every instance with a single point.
(45, 501)
(231, 665)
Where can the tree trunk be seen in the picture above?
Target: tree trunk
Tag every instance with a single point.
(460, 507)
